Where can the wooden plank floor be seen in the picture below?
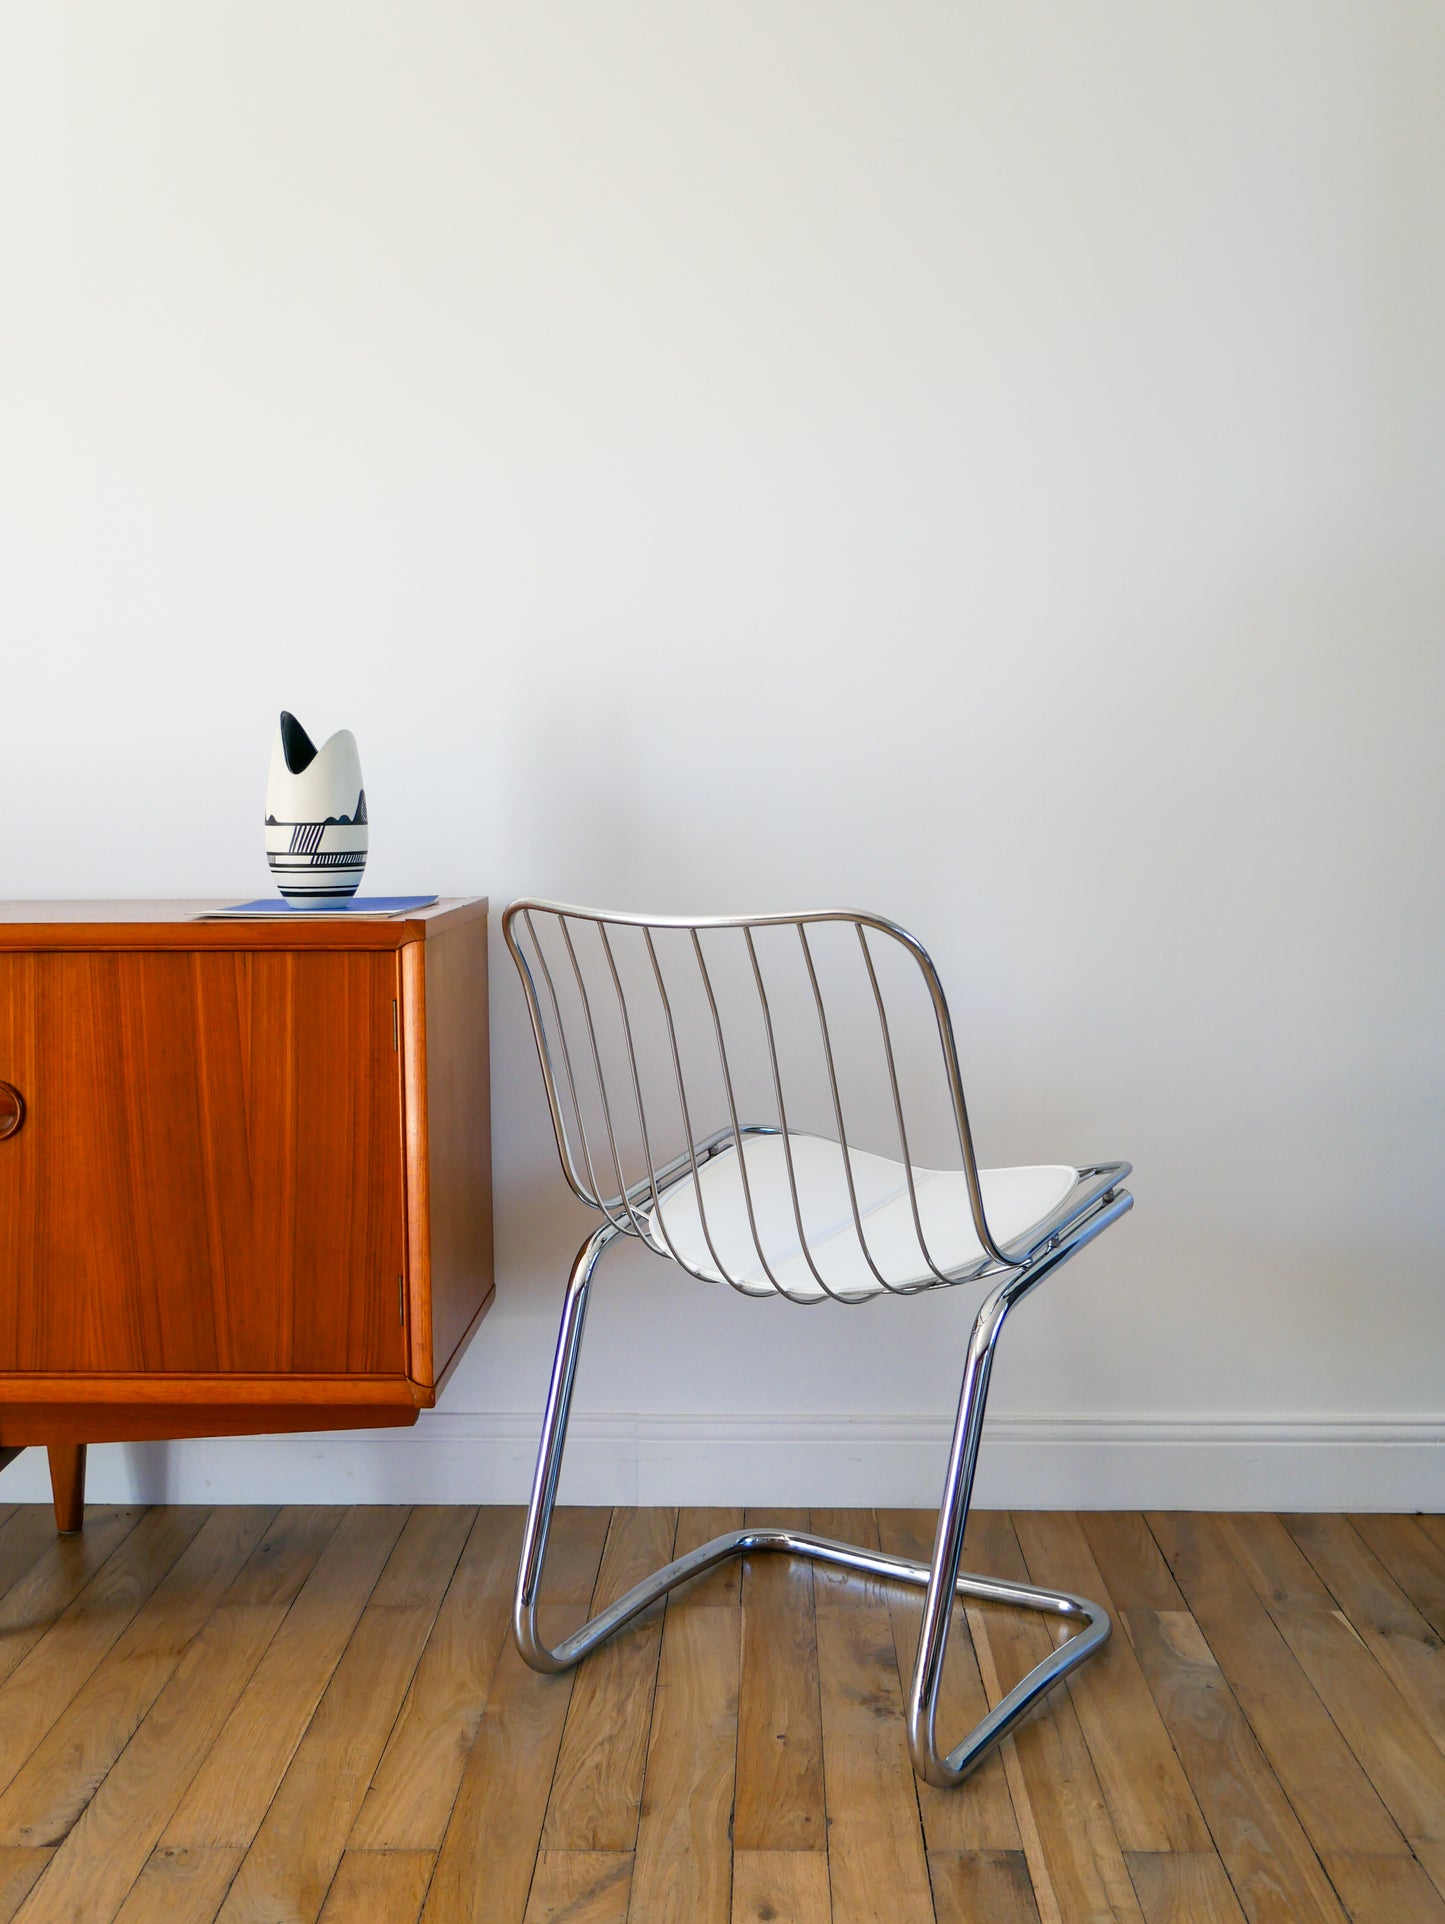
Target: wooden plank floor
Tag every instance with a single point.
(312, 1714)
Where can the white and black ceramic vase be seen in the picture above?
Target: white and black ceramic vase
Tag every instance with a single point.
(316, 831)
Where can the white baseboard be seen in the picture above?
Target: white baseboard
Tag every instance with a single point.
(1028, 1462)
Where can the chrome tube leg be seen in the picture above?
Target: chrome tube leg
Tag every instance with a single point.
(940, 1579)
(549, 1453)
(948, 1541)
(945, 1583)
(571, 1649)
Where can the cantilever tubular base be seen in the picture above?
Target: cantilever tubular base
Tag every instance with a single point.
(940, 1578)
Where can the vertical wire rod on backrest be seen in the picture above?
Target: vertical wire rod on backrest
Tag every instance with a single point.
(686, 1124)
(632, 1065)
(803, 1243)
(596, 1197)
(949, 1048)
(737, 1130)
(638, 1228)
(887, 1036)
(883, 1281)
(626, 1218)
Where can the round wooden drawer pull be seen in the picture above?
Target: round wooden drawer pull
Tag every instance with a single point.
(12, 1110)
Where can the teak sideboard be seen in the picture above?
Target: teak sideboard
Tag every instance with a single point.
(245, 1172)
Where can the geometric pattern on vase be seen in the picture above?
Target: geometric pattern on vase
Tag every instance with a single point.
(316, 823)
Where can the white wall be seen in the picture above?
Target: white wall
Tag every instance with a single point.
(979, 461)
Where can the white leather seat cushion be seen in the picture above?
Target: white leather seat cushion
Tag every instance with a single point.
(1014, 1200)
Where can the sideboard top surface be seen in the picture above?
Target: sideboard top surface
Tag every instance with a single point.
(175, 925)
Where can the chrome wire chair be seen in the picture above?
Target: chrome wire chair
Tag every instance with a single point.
(682, 1060)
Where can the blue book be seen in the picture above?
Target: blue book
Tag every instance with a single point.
(271, 908)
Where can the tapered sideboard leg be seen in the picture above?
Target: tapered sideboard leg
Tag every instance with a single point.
(67, 1485)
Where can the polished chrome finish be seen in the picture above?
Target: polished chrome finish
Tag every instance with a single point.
(826, 1038)
(940, 1578)
(943, 1580)
(633, 1208)
(783, 1130)
(886, 1035)
(596, 1147)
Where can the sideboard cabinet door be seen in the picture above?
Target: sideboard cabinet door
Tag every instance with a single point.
(209, 1172)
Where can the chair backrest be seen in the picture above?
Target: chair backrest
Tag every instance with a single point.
(665, 1041)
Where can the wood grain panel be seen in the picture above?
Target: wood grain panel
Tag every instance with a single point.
(378, 1887)
(204, 1221)
(876, 1861)
(1133, 1567)
(210, 1176)
(1415, 1562)
(1385, 1890)
(1070, 1843)
(39, 1689)
(1183, 1888)
(1275, 1873)
(420, 1568)
(179, 1887)
(1382, 1729)
(130, 1409)
(484, 1868)
(982, 1819)
(230, 1792)
(780, 1804)
(695, 1527)
(683, 1870)
(107, 1849)
(30, 1606)
(1279, 1570)
(270, 1697)
(294, 1856)
(1330, 1792)
(415, 1785)
(780, 1887)
(450, 1086)
(1148, 1794)
(286, 1555)
(580, 1887)
(982, 1887)
(62, 1773)
(1400, 1639)
(47, 1394)
(174, 924)
(597, 1785)
(18, 1871)
(25, 1536)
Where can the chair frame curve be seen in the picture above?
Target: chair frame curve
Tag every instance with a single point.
(1097, 1204)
